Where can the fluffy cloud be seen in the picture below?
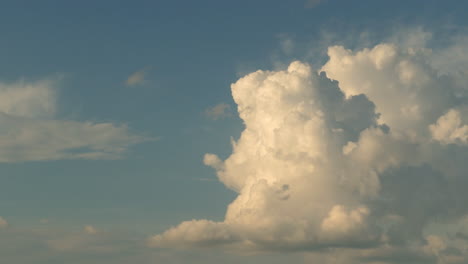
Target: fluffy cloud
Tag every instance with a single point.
(450, 129)
(30, 131)
(362, 157)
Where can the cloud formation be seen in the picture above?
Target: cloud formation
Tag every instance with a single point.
(137, 78)
(3, 223)
(31, 131)
(55, 245)
(218, 111)
(90, 230)
(365, 159)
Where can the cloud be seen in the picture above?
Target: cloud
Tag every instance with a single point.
(218, 111)
(3, 223)
(287, 114)
(358, 159)
(31, 100)
(90, 230)
(30, 130)
(89, 246)
(286, 43)
(137, 78)
(449, 128)
(52, 245)
(201, 233)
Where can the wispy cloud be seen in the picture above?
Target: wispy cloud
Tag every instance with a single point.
(3, 223)
(219, 111)
(137, 78)
(286, 44)
(30, 130)
(90, 230)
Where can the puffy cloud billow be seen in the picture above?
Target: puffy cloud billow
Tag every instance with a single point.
(364, 159)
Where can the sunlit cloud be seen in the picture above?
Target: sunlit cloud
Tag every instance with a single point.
(350, 159)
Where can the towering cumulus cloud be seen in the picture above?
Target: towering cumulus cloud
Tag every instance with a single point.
(365, 158)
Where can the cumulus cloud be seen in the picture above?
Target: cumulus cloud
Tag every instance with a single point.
(450, 129)
(358, 159)
(31, 131)
(218, 111)
(195, 232)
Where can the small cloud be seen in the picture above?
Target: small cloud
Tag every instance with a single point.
(44, 221)
(137, 78)
(286, 44)
(90, 230)
(218, 111)
(3, 223)
(313, 3)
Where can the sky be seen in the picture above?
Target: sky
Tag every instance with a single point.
(261, 131)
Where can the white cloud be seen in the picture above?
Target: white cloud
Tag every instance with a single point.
(199, 232)
(218, 111)
(33, 100)
(340, 221)
(399, 82)
(30, 131)
(295, 124)
(449, 128)
(359, 166)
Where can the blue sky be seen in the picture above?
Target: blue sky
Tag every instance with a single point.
(178, 106)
